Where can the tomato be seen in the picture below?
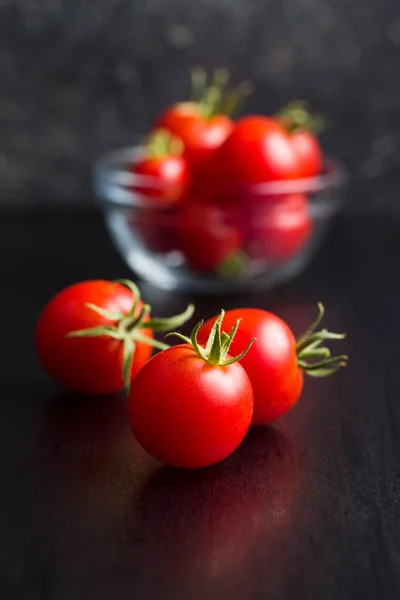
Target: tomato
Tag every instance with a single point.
(191, 407)
(162, 176)
(178, 117)
(276, 363)
(206, 239)
(168, 179)
(259, 150)
(200, 135)
(94, 336)
(204, 123)
(302, 126)
(308, 152)
(280, 229)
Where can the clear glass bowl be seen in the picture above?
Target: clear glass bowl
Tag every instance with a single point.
(263, 235)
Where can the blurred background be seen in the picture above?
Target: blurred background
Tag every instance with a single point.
(79, 78)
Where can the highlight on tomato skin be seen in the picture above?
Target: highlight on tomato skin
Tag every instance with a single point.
(204, 121)
(162, 175)
(94, 336)
(191, 406)
(277, 362)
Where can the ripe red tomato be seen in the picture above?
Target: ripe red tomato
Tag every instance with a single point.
(280, 228)
(204, 123)
(276, 363)
(168, 181)
(201, 136)
(308, 152)
(205, 237)
(260, 150)
(178, 117)
(163, 174)
(112, 343)
(191, 407)
(302, 126)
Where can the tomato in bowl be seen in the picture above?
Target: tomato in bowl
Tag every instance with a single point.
(221, 238)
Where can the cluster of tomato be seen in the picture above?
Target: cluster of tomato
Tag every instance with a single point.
(208, 168)
(191, 404)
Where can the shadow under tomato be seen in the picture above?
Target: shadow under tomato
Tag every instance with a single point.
(209, 523)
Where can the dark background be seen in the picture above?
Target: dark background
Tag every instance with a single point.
(78, 78)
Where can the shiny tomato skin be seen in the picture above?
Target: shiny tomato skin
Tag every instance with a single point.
(282, 227)
(188, 413)
(205, 237)
(178, 117)
(201, 136)
(86, 365)
(258, 150)
(271, 362)
(308, 152)
(171, 177)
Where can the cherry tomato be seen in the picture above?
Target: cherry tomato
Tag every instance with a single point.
(276, 363)
(178, 117)
(163, 174)
(204, 123)
(258, 150)
(302, 126)
(280, 229)
(191, 407)
(168, 179)
(308, 152)
(205, 237)
(94, 336)
(200, 135)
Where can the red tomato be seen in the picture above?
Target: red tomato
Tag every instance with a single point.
(308, 152)
(260, 150)
(168, 179)
(280, 229)
(273, 363)
(94, 363)
(204, 124)
(200, 135)
(178, 117)
(301, 126)
(206, 239)
(189, 407)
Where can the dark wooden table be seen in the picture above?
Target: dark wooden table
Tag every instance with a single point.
(306, 510)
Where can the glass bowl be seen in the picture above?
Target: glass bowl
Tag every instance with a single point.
(251, 239)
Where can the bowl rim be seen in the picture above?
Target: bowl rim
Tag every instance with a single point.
(109, 179)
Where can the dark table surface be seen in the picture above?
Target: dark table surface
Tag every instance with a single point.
(308, 509)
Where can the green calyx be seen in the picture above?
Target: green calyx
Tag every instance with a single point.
(296, 115)
(161, 143)
(233, 266)
(314, 359)
(128, 328)
(214, 97)
(218, 343)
